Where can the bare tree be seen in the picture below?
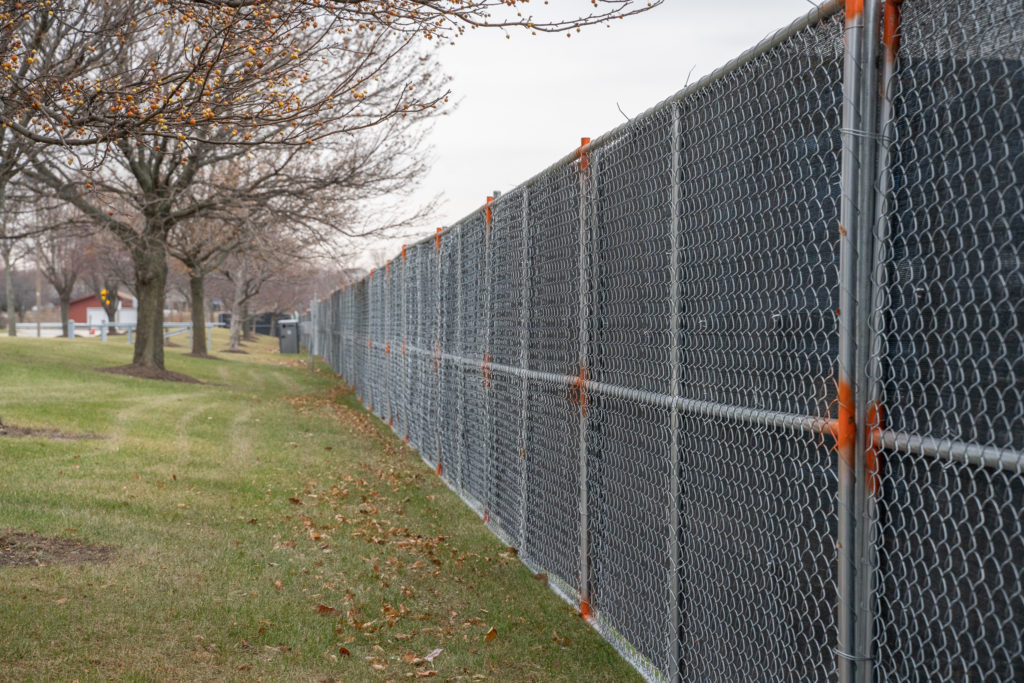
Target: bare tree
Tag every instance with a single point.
(167, 90)
(57, 250)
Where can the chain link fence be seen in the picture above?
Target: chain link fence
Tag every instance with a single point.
(745, 376)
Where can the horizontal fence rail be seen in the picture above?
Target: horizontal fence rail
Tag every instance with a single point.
(745, 376)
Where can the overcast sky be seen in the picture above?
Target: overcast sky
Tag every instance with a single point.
(525, 102)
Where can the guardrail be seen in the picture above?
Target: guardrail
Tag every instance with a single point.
(175, 328)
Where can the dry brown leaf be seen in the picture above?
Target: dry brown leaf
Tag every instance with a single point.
(324, 609)
(542, 577)
(343, 651)
(491, 635)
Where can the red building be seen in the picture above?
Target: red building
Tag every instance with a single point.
(88, 310)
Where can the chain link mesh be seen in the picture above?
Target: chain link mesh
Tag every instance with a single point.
(950, 588)
(628, 364)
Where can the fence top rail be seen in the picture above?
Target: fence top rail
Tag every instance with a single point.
(818, 14)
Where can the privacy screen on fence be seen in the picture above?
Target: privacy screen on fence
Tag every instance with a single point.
(745, 377)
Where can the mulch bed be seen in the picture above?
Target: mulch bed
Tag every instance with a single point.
(20, 549)
(144, 372)
(55, 434)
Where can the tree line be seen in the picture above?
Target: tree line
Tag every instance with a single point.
(231, 137)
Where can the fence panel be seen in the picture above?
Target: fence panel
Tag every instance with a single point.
(629, 364)
(951, 590)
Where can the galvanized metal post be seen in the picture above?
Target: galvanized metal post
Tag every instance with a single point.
(854, 544)
(460, 332)
(524, 361)
(486, 379)
(437, 350)
(675, 226)
(587, 182)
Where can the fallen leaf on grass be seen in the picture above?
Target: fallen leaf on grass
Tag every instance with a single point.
(324, 609)
(543, 578)
(343, 651)
(278, 585)
(491, 635)
(295, 501)
(61, 601)
(433, 655)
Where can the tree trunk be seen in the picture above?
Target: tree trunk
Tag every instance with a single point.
(198, 305)
(249, 324)
(65, 306)
(12, 323)
(236, 307)
(150, 260)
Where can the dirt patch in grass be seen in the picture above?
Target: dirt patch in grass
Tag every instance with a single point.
(150, 373)
(21, 549)
(55, 434)
(235, 351)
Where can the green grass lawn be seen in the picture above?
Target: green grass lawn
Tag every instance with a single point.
(264, 526)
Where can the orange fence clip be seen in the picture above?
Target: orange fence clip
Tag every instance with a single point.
(584, 153)
(487, 212)
(578, 393)
(403, 252)
(387, 348)
(891, 26)
(437, 239)
(585, 611)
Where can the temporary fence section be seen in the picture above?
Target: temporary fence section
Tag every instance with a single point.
(745, 376)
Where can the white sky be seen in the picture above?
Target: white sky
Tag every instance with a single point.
(525, 102)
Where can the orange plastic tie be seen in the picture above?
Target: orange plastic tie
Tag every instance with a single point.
(585, 611)
(579, 393)
(437, 239)
(891, 26)
(487, 212)
(584, 153)
(845, 424)
(391, 422)
(387, 348)
(403, 252)
(439, 468)
(406, 438)
(487, 516)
